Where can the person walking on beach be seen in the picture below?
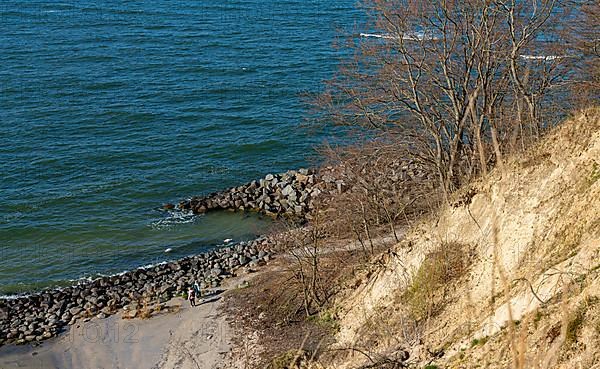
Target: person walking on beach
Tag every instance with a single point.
(197, 289)
(192, 296)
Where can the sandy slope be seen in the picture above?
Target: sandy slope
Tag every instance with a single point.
(530, 236)
(190, 338)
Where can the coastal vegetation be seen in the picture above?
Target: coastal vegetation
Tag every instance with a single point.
(462, 232)
(461, 102)
(503, 275)
(462, 84)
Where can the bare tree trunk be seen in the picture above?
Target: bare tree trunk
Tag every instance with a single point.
(496, 145)
(366, 226)
(478, 127)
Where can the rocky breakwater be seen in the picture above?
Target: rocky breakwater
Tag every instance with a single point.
(287, 194)
(294, 193)
(45, 314)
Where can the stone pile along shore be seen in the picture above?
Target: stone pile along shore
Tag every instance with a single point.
(293, 193)
(287, 194)
(45, 314)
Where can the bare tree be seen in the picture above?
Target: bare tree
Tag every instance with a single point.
(305, 248)
(583, 34)
(379, 190)
(464, 80)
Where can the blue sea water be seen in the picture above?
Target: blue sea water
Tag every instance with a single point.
(109, 109)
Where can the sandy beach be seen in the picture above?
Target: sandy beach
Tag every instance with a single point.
(184, 337)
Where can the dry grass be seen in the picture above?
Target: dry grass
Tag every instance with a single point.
(538, 217)
(274, 315)
(455, 275)
(289, 360)
(428, 292)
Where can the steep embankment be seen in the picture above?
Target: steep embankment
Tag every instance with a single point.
(509, 276)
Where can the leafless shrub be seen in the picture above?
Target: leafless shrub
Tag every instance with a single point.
(463, 81)
(428, 292)
(582, 33)
(306, 248)
(378, 190)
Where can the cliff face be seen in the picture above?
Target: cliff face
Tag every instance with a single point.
(508, 276)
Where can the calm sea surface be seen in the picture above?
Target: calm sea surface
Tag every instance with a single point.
(108, 109)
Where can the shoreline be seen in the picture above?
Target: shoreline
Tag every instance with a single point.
(85, 280)
(301, 183)
(45, 314)
(180, 336)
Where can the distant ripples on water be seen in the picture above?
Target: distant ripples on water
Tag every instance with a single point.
(109, 109)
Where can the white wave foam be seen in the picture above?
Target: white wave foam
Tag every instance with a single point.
(409, 36)
(175, 217)
(147, 266)
(428, 36)
(374, 35)
(542, 57)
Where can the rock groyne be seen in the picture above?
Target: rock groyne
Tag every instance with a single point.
(288, 194)
(291, 194)
(45, 314)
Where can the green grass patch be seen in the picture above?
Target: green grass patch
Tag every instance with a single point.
(538, 316)
(595, 174)
(427, 293)
(326, 319)
(574, 325)
(479, 341)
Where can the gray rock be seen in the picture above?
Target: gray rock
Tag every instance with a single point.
(166, 289)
